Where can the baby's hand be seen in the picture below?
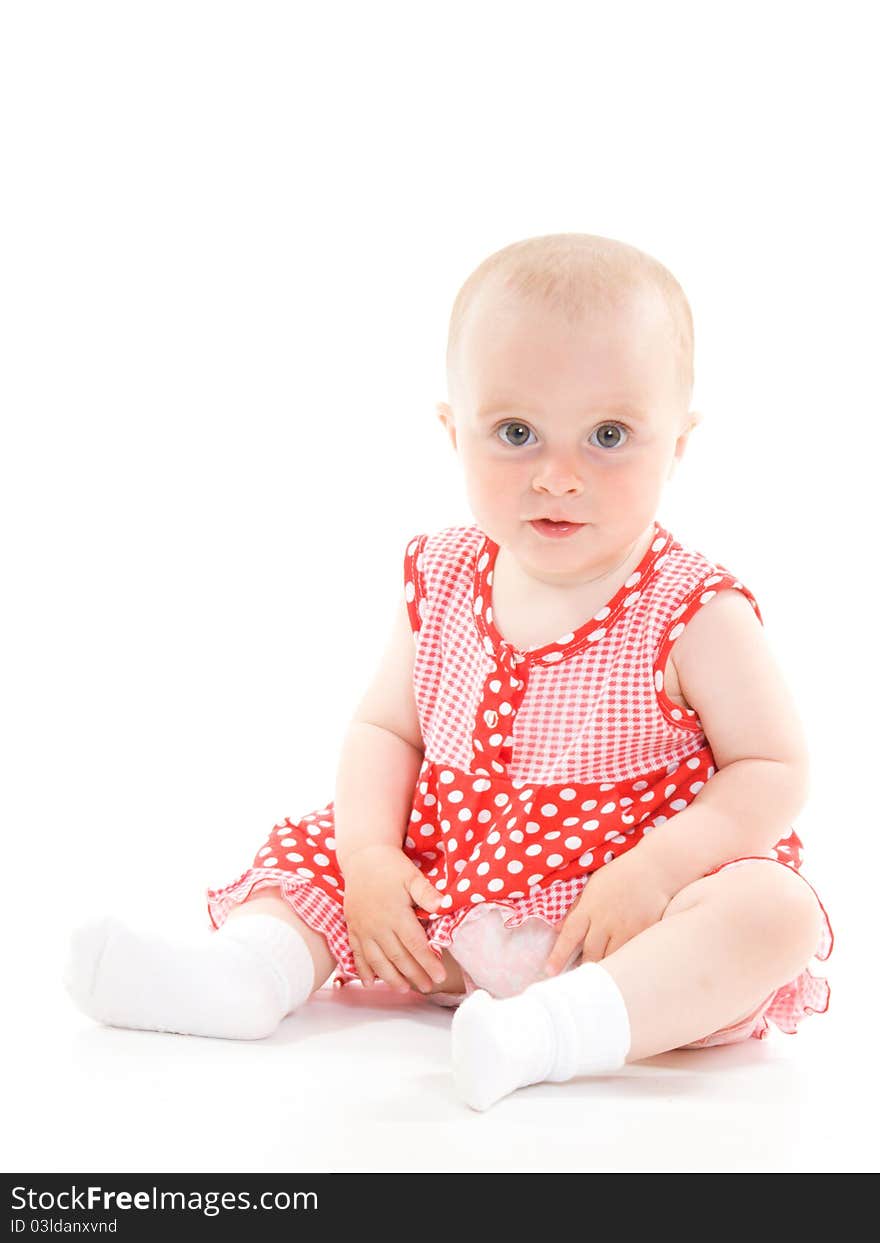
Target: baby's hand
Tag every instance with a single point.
(621, 899)
(381, 886)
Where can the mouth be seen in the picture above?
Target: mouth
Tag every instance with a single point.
(555, 529)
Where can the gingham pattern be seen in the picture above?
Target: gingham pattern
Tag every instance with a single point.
(580, 709)
(540, 766)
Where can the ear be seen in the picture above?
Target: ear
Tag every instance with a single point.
(446, 417)
(694, 419)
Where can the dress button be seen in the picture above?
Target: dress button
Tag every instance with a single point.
(491, 718)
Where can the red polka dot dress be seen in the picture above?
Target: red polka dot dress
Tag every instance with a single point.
(540, 766)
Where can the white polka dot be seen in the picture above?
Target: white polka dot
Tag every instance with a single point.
(454, 796)
(568, 794)
(295, 858)
(596, 635)
(482, 869)
(427, 830)
(694, 762)
(516, 835)
(322, 860)
(415, 815)
(658, 680)
(532, 827)
(534, 849)
(607, 809)
(501, 800)
(678, 804)
(589, 805)
(410, 591)
(551, 837)
(465, 813)
(569, 821)
(609, 855)
(331, 842)
(484, 816)
(589, 825)
(477, 897)
(265, 851)
(481, 785)
(463, 884)
(697, 787)
(552, 657)
(631, 599)
(306, 872)
(495, 740)
(446, 900)
(495, 685)
(270, 862)
(586, 859)
(493, 837)
(495, 884)
(514, 866)
(573, 843)
(500, 852)
(447, 777)
(554, 861)
(549, 809)
(536, 879)
(451, 845)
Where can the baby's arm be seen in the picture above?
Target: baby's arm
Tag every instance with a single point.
(728, 674)
(382, 754)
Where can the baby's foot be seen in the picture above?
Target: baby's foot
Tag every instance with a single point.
(573, 1024)
(237, 983)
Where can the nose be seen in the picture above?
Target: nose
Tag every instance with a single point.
(557, 478)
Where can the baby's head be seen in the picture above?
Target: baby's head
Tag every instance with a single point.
(570, 373)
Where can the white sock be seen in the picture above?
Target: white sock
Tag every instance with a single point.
(573, 1024)
(237, 982)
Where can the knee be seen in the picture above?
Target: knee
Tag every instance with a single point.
(780, 908)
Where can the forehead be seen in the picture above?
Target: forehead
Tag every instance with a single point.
(522, 355)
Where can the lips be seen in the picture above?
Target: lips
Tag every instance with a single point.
(554, 527)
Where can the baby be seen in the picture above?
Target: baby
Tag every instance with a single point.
(564, 804)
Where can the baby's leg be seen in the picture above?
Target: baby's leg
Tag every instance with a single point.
(724, 944)
(237, 982)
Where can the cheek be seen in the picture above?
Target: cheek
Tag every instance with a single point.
(494, 479)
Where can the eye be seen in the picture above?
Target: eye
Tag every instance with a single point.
(519, 428)
(615, 429)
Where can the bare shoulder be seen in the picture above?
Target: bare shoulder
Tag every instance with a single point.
(389, 700)
(728, 672)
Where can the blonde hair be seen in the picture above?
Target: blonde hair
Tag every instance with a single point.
(569, 272)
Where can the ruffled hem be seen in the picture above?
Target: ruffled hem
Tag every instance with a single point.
(805, 995)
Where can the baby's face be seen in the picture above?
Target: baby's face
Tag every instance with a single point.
(553, 421)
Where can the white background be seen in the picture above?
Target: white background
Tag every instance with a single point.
(232, 235)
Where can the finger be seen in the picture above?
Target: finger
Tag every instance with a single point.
(596, 944)
(399, 955)
(366, 975)
(423, 892)
(416, 942)
(382, 966)
(571, 934)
